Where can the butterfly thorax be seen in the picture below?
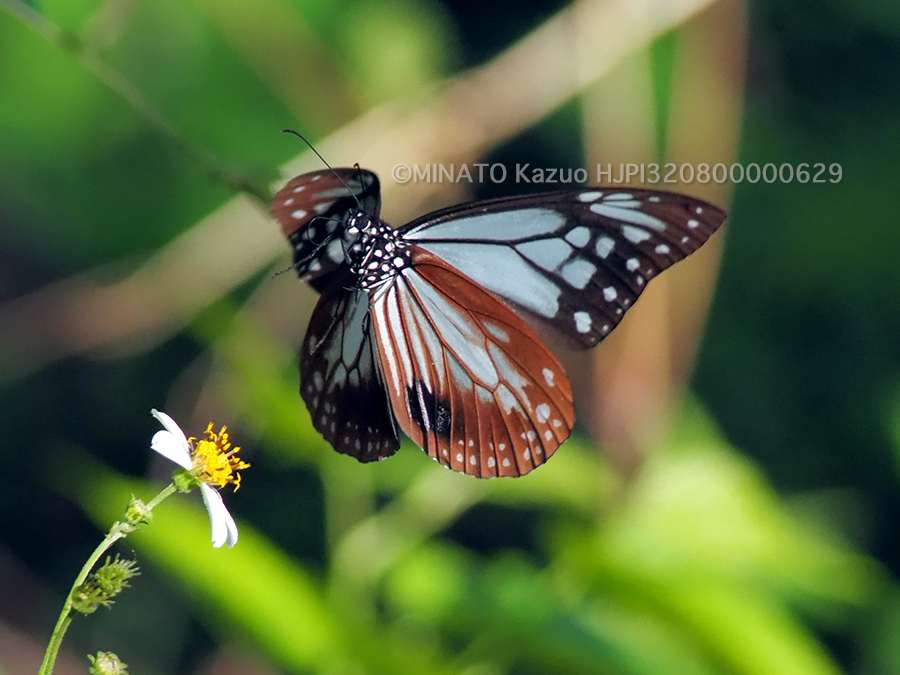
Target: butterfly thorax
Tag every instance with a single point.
(377, 254)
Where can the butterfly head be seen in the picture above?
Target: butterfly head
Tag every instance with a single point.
(315, 211)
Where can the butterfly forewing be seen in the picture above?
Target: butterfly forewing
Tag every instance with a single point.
(468, 379)
(313, 210)
(573, 261)
(339, 379)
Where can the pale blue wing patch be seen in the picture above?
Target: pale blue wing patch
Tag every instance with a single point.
(575, 261)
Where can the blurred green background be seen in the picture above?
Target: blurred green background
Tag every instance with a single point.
(755, 531)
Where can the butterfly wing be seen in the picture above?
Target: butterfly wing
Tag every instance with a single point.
(340, 382)
(313, 210)
(571, 261)
(467, 378)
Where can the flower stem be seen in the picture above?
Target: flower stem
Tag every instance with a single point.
(117, 531)
(162, 495)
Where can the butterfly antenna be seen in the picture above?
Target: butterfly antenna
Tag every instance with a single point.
(286, 269)
(299, 262)
(318, 247)
(336, 174)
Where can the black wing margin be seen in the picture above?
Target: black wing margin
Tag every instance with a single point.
(340, 382)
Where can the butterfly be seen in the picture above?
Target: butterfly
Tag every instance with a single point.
(433, 328)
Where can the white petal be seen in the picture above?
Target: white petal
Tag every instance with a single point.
(170, 425)
(224, 529)
(170, 447)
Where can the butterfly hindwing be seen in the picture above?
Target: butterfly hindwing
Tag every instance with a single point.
(340, 382)
(468, 379)
(314, 209)
(571, 261)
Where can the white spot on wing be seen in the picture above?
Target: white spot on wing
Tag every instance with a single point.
(578, 273)
(543, 412)
(629, 216)
(604, 246)
(610, 293)
(582, 322)
(298, 214)
(592, 196)
(635, 234)
(548, 376)
(546, 253)
(335, 251)
(579, 236)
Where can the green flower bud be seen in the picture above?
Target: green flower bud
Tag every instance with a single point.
(103, 585)
(107, 663)
(137, 513)
(184, 480)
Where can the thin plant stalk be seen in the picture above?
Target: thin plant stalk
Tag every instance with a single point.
(119, 530)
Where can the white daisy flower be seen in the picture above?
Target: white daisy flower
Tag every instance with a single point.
(210, 463)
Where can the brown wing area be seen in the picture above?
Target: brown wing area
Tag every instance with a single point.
(323, 195)
(467, 378)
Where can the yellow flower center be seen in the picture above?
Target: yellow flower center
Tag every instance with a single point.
(213, 461)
